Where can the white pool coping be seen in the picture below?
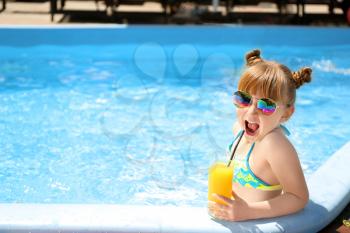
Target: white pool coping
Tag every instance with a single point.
(329, 190)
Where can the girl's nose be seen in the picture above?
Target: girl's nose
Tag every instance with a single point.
(252, 108)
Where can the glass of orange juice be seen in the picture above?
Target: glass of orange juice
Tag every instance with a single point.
(220, 181)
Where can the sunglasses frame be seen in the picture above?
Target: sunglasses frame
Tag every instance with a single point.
(251, 102)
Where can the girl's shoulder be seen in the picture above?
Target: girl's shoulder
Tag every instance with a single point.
(276, 142)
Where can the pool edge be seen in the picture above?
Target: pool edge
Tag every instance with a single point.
(329, 194)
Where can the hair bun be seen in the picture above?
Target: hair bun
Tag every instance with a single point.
(253, 57)
(302, 76)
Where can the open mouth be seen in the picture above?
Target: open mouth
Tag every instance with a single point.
(251, 128)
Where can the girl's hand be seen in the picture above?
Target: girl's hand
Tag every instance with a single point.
(232, 210)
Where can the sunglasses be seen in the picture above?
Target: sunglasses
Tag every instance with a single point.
(242, 100)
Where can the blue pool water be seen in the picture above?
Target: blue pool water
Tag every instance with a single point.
(138, 121)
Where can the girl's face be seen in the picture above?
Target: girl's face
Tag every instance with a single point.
(255, 124)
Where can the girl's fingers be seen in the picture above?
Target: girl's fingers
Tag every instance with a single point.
(215, 207)
(218, 211)
(220, 215)
(226, 200)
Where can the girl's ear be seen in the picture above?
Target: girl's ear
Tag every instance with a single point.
(287, 113)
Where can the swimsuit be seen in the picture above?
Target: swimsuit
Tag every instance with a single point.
(243, 174)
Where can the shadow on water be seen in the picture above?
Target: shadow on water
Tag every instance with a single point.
(311, 219)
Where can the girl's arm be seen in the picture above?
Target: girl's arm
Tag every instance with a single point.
(285, 164)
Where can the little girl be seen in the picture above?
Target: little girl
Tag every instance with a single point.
(268, 180)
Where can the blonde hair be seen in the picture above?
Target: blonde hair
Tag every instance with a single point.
(271, 79)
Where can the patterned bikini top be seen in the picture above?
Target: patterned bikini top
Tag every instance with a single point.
(243, 174)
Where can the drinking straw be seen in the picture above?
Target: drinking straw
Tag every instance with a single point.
(234, 150)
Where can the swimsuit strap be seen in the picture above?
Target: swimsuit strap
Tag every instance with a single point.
(285, 130)
(237, 136)
(250, 170)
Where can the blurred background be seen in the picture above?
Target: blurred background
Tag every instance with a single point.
(282, 12)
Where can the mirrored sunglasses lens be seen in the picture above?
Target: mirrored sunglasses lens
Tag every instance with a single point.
(241, 99)
(266, 106)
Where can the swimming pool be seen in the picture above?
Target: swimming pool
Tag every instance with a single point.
(84, 109)
(124, 116)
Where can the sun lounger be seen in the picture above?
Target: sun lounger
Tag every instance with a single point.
(3, 5)
(113, 4)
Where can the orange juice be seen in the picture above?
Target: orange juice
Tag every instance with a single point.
(220, 181)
